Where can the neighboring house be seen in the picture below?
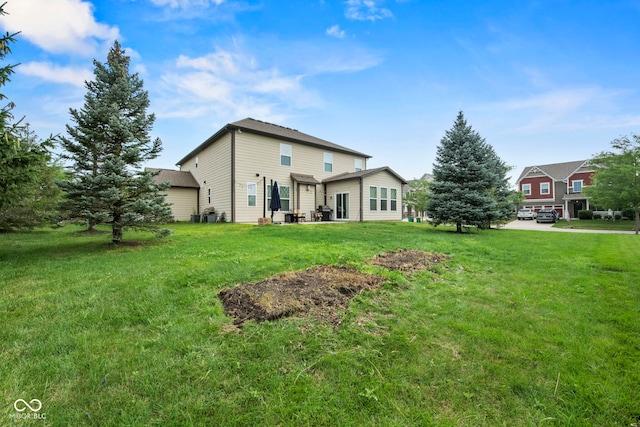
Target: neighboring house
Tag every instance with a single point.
(183, 193)
(236, 167)
(556, 186)
(406, 189)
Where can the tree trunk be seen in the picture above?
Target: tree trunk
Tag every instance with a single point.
(458, 227)
(116, 229)
(637, 219)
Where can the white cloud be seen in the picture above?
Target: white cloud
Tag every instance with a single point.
(184, 4)
(55, 73)
(58, 26)
(336, 32)
(366, 10)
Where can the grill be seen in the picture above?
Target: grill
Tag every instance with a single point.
(326, 212)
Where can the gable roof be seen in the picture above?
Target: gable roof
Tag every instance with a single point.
(259, 127)
(176, 178)
(363, 173)
(556, 171)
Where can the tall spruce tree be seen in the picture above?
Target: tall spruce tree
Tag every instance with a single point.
(470, 186)
(108, 144)
(27, 190)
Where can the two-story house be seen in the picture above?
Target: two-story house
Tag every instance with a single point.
(235, 168)
(556, 186)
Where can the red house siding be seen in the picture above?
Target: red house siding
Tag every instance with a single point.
(584, 176)
(535, 187)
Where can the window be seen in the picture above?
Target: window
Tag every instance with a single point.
(544, 188)
(383, 198)
(358, 165)
(373, 198)
(328, 162)
(394, 199)
(196, 163)
(577, 186)
(209, 196)
(526, 189)
(252, 194)
(285, 198)
(285, 155)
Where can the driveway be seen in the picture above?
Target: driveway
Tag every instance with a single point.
(545, 226)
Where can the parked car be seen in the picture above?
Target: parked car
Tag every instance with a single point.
(526, 213)
(547, 215)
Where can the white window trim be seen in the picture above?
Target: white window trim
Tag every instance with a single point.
(384, 199)
(393, 199)
(286, 151)
(573, 184)
(548, 188)
(252, 190)
(376, 198)
(357, 166)
(526, 187)
(328, 160)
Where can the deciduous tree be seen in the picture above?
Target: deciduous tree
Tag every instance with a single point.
(616, 183)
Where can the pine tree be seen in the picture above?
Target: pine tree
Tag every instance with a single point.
(27, 190)
(470, 185)
(108, 145)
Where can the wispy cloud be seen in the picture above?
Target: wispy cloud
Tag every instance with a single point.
(335, 31)
(62, 26)
(186, 3)
(579, 108)
(366, 10)
(50, 72)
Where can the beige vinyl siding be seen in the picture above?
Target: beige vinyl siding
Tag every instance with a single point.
(183, 202)
(352, 187)
(214, 167)
(256, 154)
(388, 181)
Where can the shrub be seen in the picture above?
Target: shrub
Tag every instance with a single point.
(618, 217)
(629, 213)
(597, 216)
(585, 214)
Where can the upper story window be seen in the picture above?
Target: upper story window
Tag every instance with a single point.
(577, 186)
(328, 162)
(545, 188)
(526, 189)
(285, 155)
(358, 165)
(197, 163)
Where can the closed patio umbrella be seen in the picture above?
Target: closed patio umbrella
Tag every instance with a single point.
(275, 204)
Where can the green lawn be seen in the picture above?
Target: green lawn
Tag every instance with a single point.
(517, 329)
(598, 224)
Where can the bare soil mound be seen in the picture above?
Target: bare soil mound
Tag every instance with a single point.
(323, 292)
(408, 261)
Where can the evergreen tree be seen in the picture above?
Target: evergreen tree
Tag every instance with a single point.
(27, 190)
(470, 185)
(108, 145)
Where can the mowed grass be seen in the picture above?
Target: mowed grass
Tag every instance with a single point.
(518, 329)
(597, 224)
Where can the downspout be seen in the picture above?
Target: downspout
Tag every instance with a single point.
(264, 197)
(233, 175)
(361, 200)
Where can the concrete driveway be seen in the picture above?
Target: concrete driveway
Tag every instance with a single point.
(545, 226)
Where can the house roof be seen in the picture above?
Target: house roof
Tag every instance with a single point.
(557, 171)
(275, 131)
(363, 173)
(304, 179)
(176, 178)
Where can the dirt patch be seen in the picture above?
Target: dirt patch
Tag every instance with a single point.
(408, 261)
(322, 292)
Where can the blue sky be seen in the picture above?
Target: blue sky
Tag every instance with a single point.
(542, 81)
